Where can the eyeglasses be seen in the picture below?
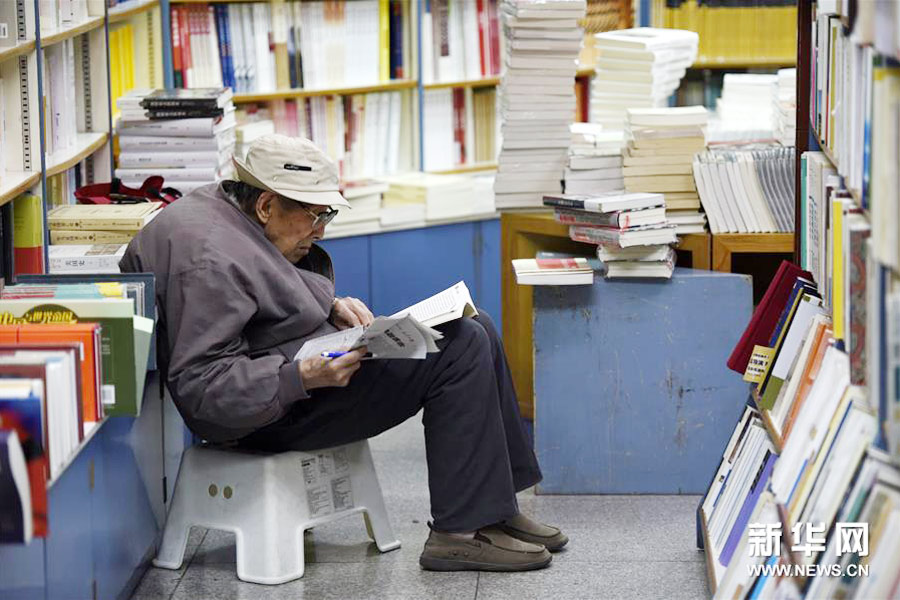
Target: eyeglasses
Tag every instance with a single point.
(323, 218)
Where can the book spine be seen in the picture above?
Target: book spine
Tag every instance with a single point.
(564, 203)
(84, 263)
(86, 237)
(494, 20)
(384, 40)
(396, 39)
(483, 35)
(182, 113)
(28, 238)
(186, 63)
(95, 224)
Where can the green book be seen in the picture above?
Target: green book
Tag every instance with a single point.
(119, 391)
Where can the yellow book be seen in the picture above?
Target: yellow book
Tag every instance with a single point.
(28, 222)
(837, 268)
(115, 68)
(128, 39)
(279, 37)
(384, 23)
(118, 217)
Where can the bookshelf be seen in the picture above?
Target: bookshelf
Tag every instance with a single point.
(17, 50)
(124, 12)
(848, 86)
(74, 31)
(85, 145)
(724, 245)
(392, 86)
(472, 83)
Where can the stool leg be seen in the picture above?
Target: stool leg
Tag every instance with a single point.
(269, 551)
(368, 492)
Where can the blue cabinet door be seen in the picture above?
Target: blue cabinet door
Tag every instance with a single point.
(22, 575)
(352, 266)
(408, 266)
(128, 494)
(487, 258)
(70, 544)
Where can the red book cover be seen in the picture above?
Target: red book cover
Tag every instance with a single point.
(765, 317)
(28, 260)
(482, 37)
(186, 63)
(494, 16)
(176, 47)
(87, 336)
(459, 123)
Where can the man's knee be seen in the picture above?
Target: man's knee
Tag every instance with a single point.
(485, 320)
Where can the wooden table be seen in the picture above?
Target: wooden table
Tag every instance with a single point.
(726, 244)
(523, 235)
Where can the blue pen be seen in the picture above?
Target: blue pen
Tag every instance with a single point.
(332, 354)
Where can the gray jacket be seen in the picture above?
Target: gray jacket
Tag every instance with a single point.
(233, 311)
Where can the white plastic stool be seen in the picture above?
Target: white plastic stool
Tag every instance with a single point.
(269, 500)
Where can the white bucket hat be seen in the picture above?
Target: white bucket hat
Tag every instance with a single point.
(291, 167)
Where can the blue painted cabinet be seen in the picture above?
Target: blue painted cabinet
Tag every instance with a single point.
(630, 382)
(352, 266)
(389, 271)
(105, 513)
(408, 266)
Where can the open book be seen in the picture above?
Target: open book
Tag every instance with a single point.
(406, 334)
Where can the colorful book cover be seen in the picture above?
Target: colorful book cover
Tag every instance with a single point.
(21, 409)
(115, 315)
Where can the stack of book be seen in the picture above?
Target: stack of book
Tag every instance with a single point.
(537, 98)
(72, 351)
(364, 212)
(631, 232)
(185, 136)
(744, 110)
(88, 238)
(553, 271)
(416, 197)
(661, 146)
(595, 160)
(747, 190)
(637, 68)
(245, 133)
(784, 106)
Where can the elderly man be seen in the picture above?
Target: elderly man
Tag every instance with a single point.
(241, 286)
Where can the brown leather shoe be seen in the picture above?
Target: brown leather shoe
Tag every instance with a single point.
(523, 528)
(490, 550)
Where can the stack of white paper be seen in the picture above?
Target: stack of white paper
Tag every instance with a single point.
(638, 68)
(744, 112)
(661, 147)
(595, 160)
(537, 98)
(784, 109)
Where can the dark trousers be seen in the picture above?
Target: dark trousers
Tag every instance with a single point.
(476, 445)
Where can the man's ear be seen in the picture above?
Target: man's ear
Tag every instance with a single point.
(264, 205)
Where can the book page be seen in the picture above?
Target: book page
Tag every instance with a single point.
(452, 303)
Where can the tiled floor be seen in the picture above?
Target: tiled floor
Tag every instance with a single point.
(621, 547)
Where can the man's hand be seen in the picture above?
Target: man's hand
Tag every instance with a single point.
(330, 372)
(350, 312)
